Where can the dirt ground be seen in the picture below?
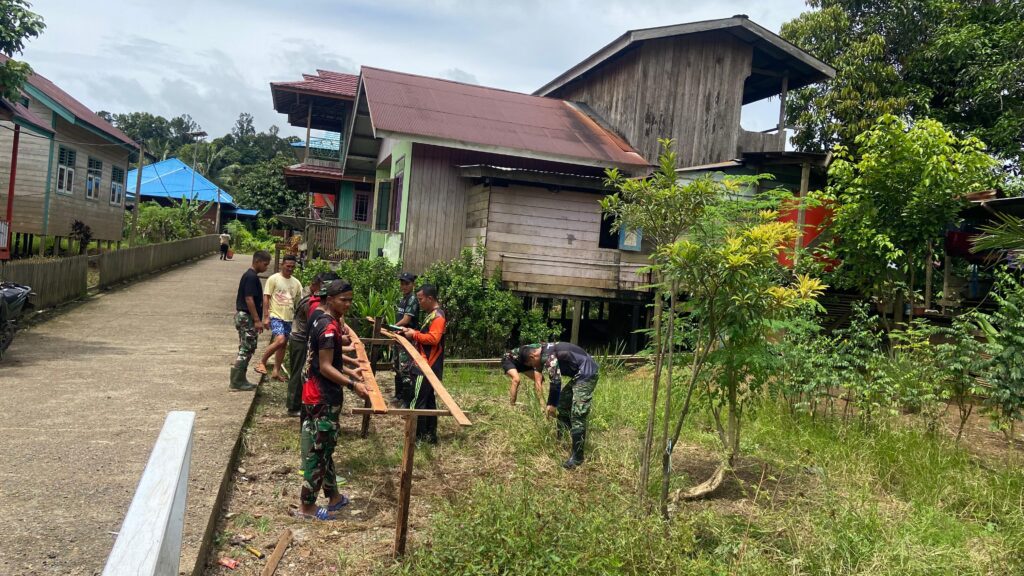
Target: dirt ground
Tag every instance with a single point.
(265, 493)
(83, 396)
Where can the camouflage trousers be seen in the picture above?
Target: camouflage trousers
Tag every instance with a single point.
(405, 383)
(319, 437)
(247, 339)
(574, 404)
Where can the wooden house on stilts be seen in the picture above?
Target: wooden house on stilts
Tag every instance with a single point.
(446, 165)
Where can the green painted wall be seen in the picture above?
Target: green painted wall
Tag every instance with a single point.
(402, 149)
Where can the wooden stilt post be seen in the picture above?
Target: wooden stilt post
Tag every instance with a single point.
(405, 486)
(577, 313)
(928, 279)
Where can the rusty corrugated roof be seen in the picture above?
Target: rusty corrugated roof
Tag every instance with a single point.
(445, 112)
(80, 111)
(325, 82)
(22, 115)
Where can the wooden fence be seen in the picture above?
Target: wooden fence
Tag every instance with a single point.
(122, 265)
(54, 281)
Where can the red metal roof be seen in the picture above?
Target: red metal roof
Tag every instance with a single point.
(490, 119)
(325, 82)
(81, 111)
(23, 115)
(321, 172)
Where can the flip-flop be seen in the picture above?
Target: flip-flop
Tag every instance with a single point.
(280, 378)
(322, 514)
(260, 368)
(341, 504)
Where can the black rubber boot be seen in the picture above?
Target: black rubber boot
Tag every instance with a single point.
(238, 381)
(576, 457)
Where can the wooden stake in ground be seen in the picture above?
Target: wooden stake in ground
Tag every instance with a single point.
(405, 486)
(409, 448)
(275, 558)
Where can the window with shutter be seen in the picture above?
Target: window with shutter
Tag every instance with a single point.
(383, 205)
(93, 178)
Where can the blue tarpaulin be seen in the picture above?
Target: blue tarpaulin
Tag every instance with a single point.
(173, 179)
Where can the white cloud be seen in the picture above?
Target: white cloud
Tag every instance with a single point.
(215, 59)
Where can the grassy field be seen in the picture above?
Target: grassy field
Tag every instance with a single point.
(808, 496)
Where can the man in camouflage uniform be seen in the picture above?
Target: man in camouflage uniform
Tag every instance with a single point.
(248, 315)
(407, 311)
(330, 370)
(570, 403)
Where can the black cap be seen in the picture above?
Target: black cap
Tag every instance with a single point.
(407, 277)
(335, 287)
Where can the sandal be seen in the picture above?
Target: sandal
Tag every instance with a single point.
(341, 504)
(322, 514)
(260, 368)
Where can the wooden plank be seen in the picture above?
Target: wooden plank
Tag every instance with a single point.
(279, 550)
(376, 400)
(364, 429)
(439, 388)
(402, 412)
(611, 282)
(405, 486)
(537, 222)
(596, 254)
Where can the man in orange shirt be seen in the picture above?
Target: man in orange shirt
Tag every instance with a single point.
(429, 340)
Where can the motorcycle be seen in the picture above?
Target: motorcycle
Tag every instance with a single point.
(14, 301)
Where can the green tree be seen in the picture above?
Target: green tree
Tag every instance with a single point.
(263, 187)
(662, 208)
(17, 24)
(738, 294)
(1005, 370)
(956, 61)
(895, 197)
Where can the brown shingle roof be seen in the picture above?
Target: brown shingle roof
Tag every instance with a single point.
(445, 112)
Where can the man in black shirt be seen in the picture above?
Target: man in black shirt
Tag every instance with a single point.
(248, 315)
(407, 311)
(329, 370)
(573, 400)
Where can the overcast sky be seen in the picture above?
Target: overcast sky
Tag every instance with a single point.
(215, 58)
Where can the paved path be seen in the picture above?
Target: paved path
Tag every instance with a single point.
(82, 399)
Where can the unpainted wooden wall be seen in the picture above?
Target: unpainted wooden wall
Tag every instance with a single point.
(105, 220)
(30, 183)
(436, 213)
(547, 242)
(687, 88)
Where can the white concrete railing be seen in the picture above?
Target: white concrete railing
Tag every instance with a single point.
(149, 542)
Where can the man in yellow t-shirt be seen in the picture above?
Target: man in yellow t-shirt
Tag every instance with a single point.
(279, 297)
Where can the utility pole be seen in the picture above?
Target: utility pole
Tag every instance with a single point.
(8, 233)
(138, 194)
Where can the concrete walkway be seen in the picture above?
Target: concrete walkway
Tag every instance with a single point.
(82, 399)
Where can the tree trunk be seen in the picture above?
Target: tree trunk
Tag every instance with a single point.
(645, 453)
(666, 454)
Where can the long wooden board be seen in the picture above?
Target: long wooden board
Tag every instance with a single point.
(439, 388)
(376, 400)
